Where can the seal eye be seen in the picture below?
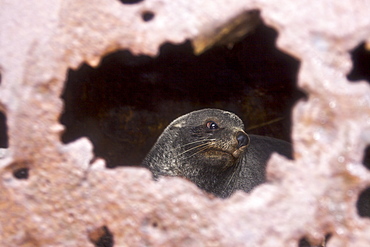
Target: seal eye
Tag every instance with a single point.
(212, 125)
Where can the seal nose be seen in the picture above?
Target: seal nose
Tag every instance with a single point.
(243, 139)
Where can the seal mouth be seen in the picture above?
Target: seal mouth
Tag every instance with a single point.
(239, 151)
(216, 152)
(233, 154)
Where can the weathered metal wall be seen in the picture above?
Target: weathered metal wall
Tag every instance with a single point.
(51, 195)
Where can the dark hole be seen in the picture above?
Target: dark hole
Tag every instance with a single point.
(363, 203)
(361, 64)
(366, 159)
(147, 16)
(304, 242)
(3, 131)
(102, 237)
(21, 173)
(130, 1)
(123, 105)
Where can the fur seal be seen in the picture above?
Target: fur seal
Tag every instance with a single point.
(210, 148)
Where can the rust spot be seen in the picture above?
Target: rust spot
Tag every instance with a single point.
(153, 222)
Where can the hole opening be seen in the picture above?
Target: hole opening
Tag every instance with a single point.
(123, 105)
(361, 64)
(304, 242)
(21, 173)
(147, 16)
(102, 237)
(363, 201)
(4, 140)
(130, 1)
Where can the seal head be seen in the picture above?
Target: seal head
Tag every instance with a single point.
(214, 140)
(210, 148)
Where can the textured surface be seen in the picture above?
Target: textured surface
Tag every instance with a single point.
(65, 200)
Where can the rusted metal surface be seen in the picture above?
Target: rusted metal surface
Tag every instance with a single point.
(64, 200)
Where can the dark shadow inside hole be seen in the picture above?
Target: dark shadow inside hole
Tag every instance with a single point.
(147, 16)
(361, 64)
(102, 237)
(20, 168)
(304, 242)
(21, 173)
(4, 143)
(130, 1)
(123, 105)
(150, 223)
(363, 202)
(366, 159)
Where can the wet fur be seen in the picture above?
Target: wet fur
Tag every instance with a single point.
(188, 149)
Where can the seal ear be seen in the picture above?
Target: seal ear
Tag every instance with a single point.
(178, 125)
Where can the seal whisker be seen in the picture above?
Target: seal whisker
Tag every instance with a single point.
(198, 146)
(202, 140)
(204, 148)
(236, 170)
(210, 148)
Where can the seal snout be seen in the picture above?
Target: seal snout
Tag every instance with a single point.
(243, 139)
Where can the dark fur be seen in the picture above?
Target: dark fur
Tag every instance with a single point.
(187, 148)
